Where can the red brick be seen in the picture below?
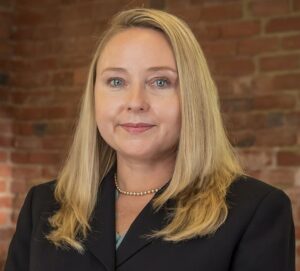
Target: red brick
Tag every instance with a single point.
(256, 159)
(4, 29)
(288, 158)
(63, 78)
(28, 143)
(55, 127)
(72, 96)
(44, 158)
(281, 82)
(82, 46)
(4, 217)
(291, 42)
(50, 173)
(172, 4)
(242, 139)
(26, 16)
(71, 62)
(236, 105)
(32, 97)
(22, 33)
(282, 177)
(257, 46)
(3, 186)
(5, 48)
(30, 79)
(296, 6)
(38, 3)
(80, 76)
(5, 170)
(276, 137)
(56, 143)
(41, 158)
(281, 62)
(286, 81)
(44, 32)
(6, 141)
(38, 113)
(240, 29)
(19, 187)
(45, 64)
(225, 87)
(297, 232)
(23, 128)
(219, 48)
(269, 7)
(283, 24)
(206, 32)
(6, 112)
(293, 118)
(274, 102)
(76, 12)
(25, 172)
(221, 12)
(78, 29)
(26, 47)
(18, 65)
(234, 67)
(246, 120)
(3, 156)
(5, 202)
(20, 157)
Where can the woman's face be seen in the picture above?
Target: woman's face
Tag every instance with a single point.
(137, 95)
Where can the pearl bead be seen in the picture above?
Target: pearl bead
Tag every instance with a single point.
(134, 193)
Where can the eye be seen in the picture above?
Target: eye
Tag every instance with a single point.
(114, 82)
(162, 82)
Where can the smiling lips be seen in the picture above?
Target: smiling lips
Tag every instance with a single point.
(137, 127)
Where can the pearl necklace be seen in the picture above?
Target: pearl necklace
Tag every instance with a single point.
(135, 193)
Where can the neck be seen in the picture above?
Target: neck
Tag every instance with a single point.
(143, 175)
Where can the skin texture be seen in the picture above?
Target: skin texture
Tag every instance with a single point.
(136, 94)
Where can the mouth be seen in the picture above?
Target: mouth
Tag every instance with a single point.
(136, 128)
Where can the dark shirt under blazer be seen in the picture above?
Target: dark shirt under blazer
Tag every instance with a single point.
(258, 235)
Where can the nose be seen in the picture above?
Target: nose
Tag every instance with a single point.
(137, 99)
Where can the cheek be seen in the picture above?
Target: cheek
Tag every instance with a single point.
(171, 112)
(103, 114)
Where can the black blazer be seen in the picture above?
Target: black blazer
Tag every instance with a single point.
(258, 235)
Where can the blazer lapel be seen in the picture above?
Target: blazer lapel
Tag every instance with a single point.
(101, 240)
(145, 222)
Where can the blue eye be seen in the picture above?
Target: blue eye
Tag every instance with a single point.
(115, 82)
(161, 83)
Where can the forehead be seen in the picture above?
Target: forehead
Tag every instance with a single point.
(138, 44)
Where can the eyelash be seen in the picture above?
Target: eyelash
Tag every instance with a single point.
(167, 81)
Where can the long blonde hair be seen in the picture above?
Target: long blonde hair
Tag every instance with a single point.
(205, 165)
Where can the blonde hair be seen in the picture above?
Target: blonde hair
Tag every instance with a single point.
(205, 165)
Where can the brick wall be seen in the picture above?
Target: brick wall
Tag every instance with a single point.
(253, 49)
(6, 126)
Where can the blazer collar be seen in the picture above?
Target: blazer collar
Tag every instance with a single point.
(101, 241)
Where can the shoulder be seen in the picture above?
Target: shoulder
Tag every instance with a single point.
(247, 195)
(41, 198)
(245, 188)
(43, 191)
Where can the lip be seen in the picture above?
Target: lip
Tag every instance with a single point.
(137, 127)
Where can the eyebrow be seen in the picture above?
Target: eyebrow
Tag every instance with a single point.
(158, 68)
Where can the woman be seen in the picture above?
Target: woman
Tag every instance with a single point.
(151, 181)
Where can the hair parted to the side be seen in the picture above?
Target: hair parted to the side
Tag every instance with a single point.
(205, 166)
